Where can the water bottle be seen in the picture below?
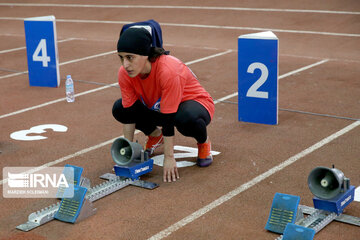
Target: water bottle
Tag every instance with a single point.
(69, 85)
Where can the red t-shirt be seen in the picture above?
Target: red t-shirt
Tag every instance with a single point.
(169, 83)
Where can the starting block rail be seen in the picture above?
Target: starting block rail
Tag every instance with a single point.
(344, 218)
(80, 206)
(309, 226)
(97, 192)
(106, 188)
(40, 217)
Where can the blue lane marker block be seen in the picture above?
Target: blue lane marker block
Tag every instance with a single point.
(296, 232)
(258, 78)
(283, 211)
(70, 208)
(42, 52)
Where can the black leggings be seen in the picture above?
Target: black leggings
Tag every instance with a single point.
(190, 119)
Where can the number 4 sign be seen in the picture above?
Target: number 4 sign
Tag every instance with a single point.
(258, 78)
(41, 49)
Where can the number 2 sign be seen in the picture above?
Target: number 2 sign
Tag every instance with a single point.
(41, 49)
(258, 78)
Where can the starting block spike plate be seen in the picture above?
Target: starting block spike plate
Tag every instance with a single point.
(70, 208)
(296, 232)
(283, 211)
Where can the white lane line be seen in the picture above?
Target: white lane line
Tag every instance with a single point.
(203, 26)
(177, 7)
(280, 77)
(303, 68)
(21, 48)
(64, 63)
(192, 217)
(13, 75)
(96, 89)
(209, 57)
(89, 57)
(56, 101)
(109, 141)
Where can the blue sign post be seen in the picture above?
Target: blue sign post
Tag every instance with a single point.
(258, 78)
(41, 50)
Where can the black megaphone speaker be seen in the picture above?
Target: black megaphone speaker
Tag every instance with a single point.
(124, 152)
(326, 183)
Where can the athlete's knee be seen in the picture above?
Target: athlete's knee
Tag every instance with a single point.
(120, 113)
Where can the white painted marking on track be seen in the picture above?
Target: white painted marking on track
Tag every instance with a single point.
(178, 7)
(22, 48)
(303, 68)
(189, 153)
(56, 101)
(64, 63)
(209, 57)
(250, 183)
(22, 135)
(202, 26)
(357, 194)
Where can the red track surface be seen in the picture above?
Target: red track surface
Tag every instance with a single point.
(247, 150)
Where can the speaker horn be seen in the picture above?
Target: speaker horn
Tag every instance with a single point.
(124, 152)
(326, 183)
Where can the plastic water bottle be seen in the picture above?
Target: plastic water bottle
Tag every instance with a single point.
(69, 85)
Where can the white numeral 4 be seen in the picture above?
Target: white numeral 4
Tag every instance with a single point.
(253, 90)
(44, 58)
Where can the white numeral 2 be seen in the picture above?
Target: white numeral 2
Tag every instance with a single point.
(44, 58)
(253, 90)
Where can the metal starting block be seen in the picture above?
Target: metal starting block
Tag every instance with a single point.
(80, 205)
(332, 193)
(303, 228)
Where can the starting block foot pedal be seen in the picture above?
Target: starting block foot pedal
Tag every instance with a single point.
(77, 173)
(296, 232)
(76, 208)
(283, 211)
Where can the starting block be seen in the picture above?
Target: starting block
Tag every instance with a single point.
(42, 52)
(258, 78)
(80, 206)
(333, 193)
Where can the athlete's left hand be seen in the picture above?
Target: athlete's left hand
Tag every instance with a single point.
(170, 170)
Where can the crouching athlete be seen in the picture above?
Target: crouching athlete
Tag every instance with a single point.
(159, 93)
